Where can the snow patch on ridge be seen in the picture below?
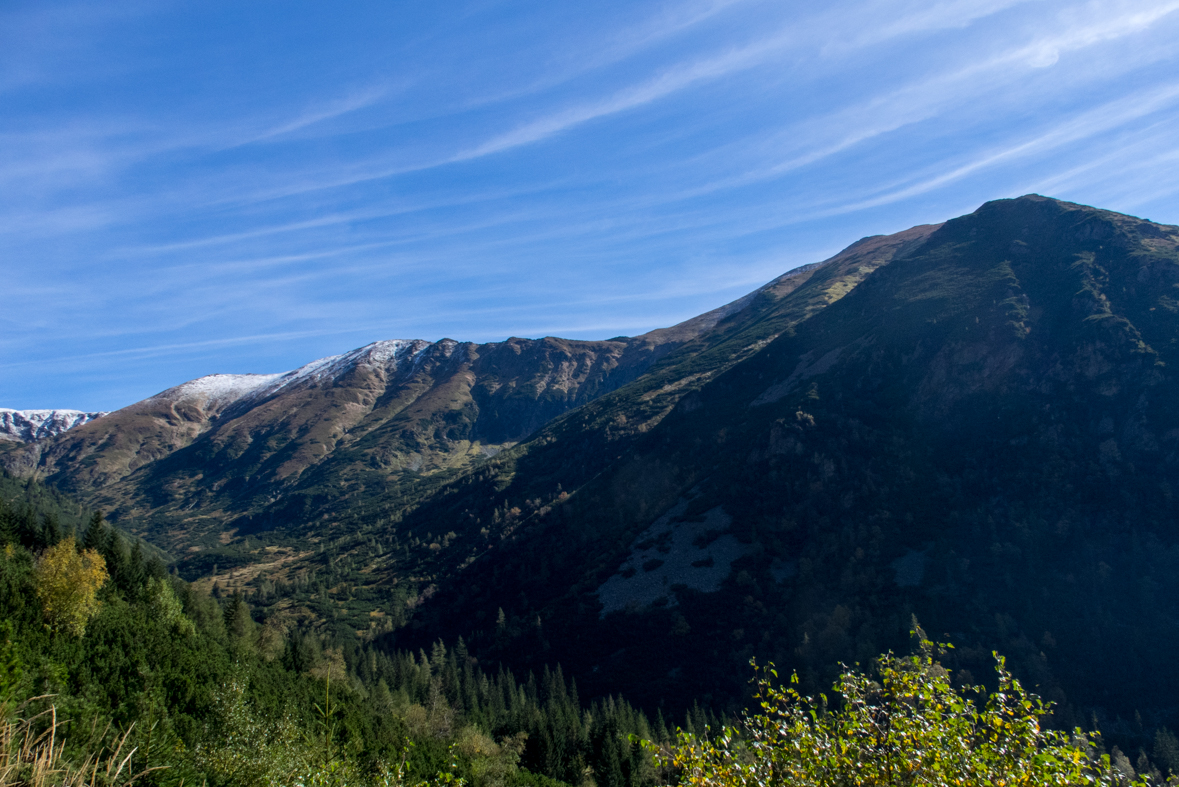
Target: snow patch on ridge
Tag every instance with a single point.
(380, 353)
(220, 388)
(26, 426)
(226, 389)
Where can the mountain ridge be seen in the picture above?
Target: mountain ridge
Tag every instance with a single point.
(393, 409)
(978, 433)
(27, 426)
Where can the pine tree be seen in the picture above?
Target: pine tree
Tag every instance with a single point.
(96, 537)
(239, 623)
(136, 572)
(7, 523)
(1166, 750)
(51, 529)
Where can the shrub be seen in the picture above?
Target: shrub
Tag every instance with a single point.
(905, 726)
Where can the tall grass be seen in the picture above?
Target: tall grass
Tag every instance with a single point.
(33, 754)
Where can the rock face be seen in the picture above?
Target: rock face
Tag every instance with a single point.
(27, 426)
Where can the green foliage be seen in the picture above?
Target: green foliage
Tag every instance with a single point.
(239, 624)
(68, 583)
(904, 726)
(205, 691)
(162, 601)
(10, 666)
(1166, 750)
(243, 748)
(34, 515)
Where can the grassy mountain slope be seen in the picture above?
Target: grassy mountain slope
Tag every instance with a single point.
(969, 422)
(372, 564)
(578, 445)
(190, 460)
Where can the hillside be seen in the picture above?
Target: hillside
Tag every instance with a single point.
(173, 685)
(198, 462)
(121, 674)
(981, 433)
(191, 458)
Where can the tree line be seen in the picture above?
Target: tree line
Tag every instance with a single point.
(207, 690)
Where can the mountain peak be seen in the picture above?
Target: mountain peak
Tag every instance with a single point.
(1059, 206)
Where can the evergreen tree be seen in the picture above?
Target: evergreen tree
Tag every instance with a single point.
(96, 535)
(51, 529)
(115, 554)
(136, 573)
(239, 623)
(8, 533)
(1166, 750)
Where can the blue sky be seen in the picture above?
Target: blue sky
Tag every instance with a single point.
(191, 188)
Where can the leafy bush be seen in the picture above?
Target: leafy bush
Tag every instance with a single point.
(906, 725)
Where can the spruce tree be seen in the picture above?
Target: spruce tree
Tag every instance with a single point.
(51, 529)
(239, 623)
(135, 575)
(96, 537)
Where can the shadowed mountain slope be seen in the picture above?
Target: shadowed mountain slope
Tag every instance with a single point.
(982, 433)
(971, 422)
(694, 352)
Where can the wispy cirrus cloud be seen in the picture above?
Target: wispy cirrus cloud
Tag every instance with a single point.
(353, 101)
(816, 139)
(479, 170)
(1090, 124)
(739, 58)
(664, 84)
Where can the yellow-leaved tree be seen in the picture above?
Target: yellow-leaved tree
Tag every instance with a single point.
(68, 582)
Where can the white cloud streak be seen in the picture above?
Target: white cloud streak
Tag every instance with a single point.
(659, 158)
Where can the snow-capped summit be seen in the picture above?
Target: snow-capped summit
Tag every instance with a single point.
(27, 426)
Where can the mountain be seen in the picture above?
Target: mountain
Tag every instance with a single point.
(26, 426)
(247, 452)
(969, 422)
(224, 445)
(981, 432)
